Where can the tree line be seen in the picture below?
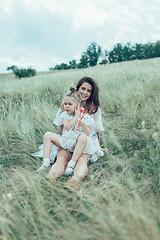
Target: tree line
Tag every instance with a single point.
(95, 55)
(119, 53)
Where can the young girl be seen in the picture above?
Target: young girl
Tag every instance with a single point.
(74, 129)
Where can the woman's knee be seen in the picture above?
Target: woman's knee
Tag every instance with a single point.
(57, 169)
(63, 156)
(81, 171)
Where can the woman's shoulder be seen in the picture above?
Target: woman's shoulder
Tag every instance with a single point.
(86, 116)
(98, 112)
(88, 119)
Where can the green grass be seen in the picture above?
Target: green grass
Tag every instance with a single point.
(119, 199)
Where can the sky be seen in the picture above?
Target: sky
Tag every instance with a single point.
(43, 33)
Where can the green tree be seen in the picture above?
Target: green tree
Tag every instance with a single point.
(157, 49)
(128, 53)
(139, 51)
(149, 50)
(62, 66)
(93, 52)
(12, 68)
(116, 55)
(73, 64)
(24, 72)
(83, 63)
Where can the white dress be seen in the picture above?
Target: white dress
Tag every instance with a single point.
(69, 138)
(98, 127)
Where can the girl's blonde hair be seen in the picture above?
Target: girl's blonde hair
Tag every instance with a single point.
(74, 94)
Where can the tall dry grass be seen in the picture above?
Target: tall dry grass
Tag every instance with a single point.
(119, 199)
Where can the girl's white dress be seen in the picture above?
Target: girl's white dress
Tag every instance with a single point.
(92, 140)
(69, 138)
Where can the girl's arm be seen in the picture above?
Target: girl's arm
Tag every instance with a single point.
(70, 124)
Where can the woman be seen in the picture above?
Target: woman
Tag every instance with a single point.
(88, 89)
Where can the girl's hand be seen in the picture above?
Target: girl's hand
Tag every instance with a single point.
(85, 128)
(77, 111)
(81, 123)
(81, 110)
(81, 113)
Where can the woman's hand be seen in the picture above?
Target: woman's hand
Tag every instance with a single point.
(102, 149)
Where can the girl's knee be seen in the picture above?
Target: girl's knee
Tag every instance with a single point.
(47, 135)
(63, 157)
(82, 138)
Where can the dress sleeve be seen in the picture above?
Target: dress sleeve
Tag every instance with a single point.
(98, 121)
(88, 121)
(65, 115)
(58, 119)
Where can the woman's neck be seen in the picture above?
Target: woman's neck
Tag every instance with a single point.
(83, 103)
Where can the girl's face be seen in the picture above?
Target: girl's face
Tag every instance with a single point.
(69, 105)
(85, 90)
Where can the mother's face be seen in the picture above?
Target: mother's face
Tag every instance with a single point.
(85, 90)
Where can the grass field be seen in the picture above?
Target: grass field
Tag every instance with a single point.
(120, 198)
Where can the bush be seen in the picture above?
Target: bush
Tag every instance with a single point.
(24, 72)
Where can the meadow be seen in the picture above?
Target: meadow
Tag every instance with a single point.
(120, 198)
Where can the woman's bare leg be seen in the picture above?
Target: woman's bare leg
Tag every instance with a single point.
(58, 167)
(81, 169)
(80, 172)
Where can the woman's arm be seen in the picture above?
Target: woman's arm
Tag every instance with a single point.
(60, 129)
(98, 135)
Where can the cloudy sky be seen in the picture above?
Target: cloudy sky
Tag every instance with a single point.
(43, 33)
